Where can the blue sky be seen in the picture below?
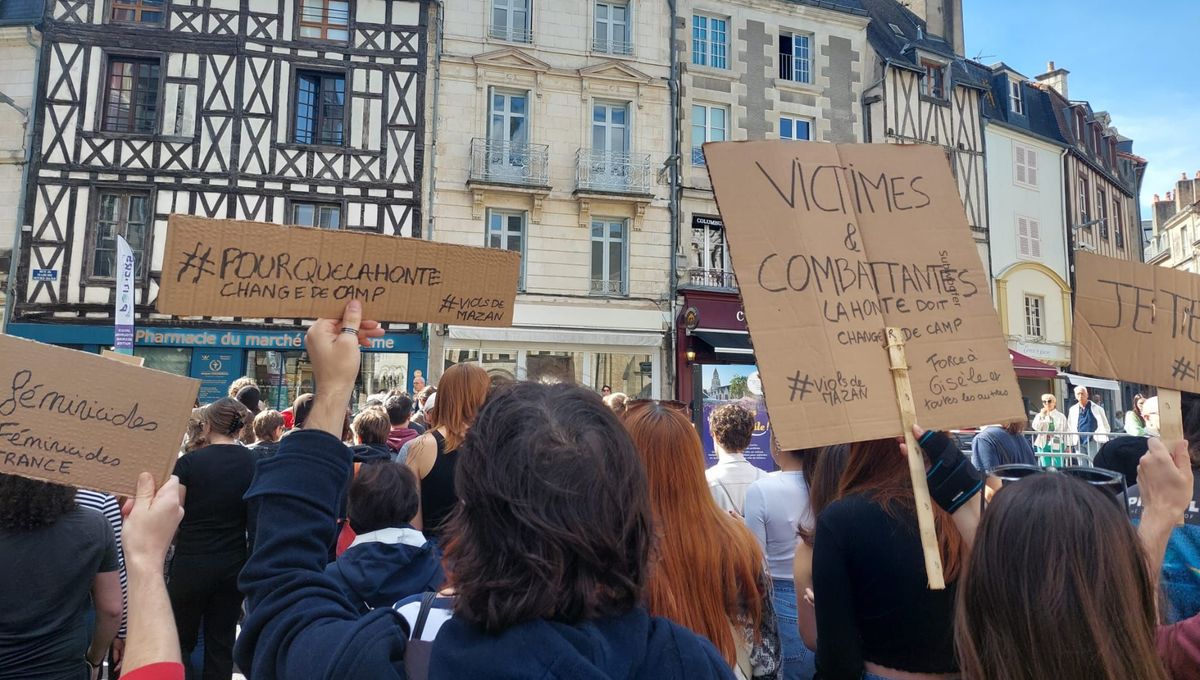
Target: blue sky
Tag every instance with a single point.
(1136, 60)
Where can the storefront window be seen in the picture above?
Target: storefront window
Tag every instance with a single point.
(459, 356)
(281, 376)
(501, 366)
(382, 373)
(177, 360)
(628, 373)
(554, 367)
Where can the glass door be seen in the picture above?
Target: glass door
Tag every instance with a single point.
(610, 145)
(508, 134)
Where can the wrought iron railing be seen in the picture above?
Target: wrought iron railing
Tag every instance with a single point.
(602, 286)
(712, 278)
(617, 172)
(795, 70)
(611, 46)
(510, 163)
(510, 33)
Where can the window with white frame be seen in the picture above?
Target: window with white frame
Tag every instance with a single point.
(313, 214)
(511, 20)
(506, 231)
(709, 124)
(795, 57)
(1102, 212)
(1025, 165)
(1033, 316)
(710, 41)
(1016, 101)
(1029, 237)
(612, 28)
(1084, 201)
(794, 128)
(608, 256)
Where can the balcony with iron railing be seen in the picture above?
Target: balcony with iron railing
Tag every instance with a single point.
(617, 47)
(515, 34)
(795, 70)
(711, 278)
(602, 286)
(509, 163)
(608, 172)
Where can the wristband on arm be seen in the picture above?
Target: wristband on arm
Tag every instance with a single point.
(952, 479)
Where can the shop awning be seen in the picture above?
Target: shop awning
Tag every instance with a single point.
(1028, 367)
(1091, 383)
(725, 342)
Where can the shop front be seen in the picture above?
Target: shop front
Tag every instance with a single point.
(625, 361)
(217, 356)
(715, 365)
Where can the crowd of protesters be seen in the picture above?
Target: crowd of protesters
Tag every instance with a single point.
(532, 530)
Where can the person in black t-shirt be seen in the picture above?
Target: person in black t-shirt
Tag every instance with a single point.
(211, 546)
(57, 559)
(875, 612)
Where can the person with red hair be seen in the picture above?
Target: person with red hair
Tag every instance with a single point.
(709, 571)
(876, 616)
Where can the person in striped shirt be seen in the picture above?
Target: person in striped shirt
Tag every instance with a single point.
(108, 506)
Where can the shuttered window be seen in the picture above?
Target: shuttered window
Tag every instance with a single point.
(1029, 237)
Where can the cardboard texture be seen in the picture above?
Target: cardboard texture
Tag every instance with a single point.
(1136, 322)
(123, 358)
(833, 243)
(258, 270)
(81, 419)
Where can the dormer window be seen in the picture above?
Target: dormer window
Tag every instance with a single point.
(934, 82)
(1016, 102)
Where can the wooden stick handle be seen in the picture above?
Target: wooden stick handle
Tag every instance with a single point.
(1170, 418)
(916, 461)
(1170, 415)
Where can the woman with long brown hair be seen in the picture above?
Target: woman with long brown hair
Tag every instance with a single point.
(876, 616)
(823, 472)
(708, 569)
(432, 456)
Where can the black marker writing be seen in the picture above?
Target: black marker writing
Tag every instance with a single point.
(37, 398)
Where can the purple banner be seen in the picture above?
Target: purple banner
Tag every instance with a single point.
(737, 384)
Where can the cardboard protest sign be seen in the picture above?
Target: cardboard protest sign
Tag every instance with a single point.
(1136, 322)
(257, 270)
(83, 420)
(832, 244)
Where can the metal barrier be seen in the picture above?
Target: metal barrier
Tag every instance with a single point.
(1065, 454)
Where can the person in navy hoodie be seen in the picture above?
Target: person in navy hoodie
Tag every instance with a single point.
(548, 550)
(371, 428)
(389, 559)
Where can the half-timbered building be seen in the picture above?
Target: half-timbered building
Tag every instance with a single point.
(1102, 177)
(305, 112)
(922, 91)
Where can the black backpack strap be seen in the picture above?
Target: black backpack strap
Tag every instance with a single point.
(423, 615)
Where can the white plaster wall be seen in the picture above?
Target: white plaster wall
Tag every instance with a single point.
(1007, 200)
(17, 78)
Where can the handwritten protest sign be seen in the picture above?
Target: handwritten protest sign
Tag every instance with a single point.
(1136, 322)
(831, 245)
(251, 269)
(83, 420)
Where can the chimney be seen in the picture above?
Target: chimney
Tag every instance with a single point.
(1185, 193)
(1055, 78)
(943, 18)
(1162, 211)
